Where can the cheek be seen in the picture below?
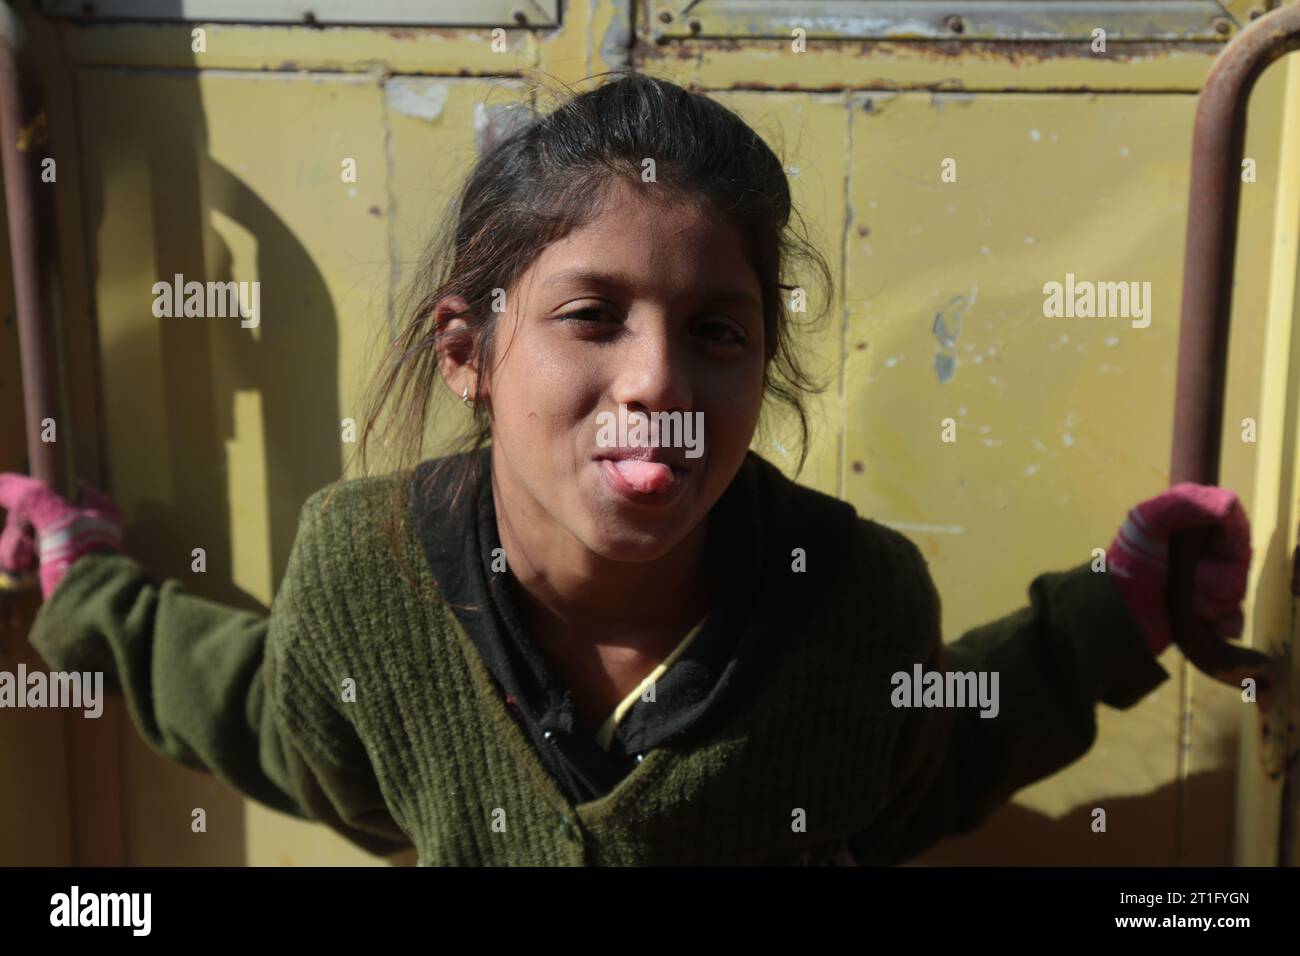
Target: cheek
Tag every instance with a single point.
(733, 403)
(545, 384)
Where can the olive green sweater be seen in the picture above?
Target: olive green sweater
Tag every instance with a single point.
(810, 751)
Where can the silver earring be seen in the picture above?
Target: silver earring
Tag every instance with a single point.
(464, 396)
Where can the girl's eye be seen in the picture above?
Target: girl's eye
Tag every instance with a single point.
(717, 331)
(585, 315)
(723, 332)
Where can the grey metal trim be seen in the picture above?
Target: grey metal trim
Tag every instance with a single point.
(470, 13)
(1065, 20)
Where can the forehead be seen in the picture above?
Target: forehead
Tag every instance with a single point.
(649, 239)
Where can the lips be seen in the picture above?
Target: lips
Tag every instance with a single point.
(649, 474)
(647, 477)
(648, 453)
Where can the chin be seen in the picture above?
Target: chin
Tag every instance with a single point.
(631, 545)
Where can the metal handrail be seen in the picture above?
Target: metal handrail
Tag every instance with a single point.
(1214, 201)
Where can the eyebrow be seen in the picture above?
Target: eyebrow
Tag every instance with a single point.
(725, 294)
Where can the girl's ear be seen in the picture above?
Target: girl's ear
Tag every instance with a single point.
(455, 343)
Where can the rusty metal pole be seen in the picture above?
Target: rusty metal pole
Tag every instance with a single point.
(92, 747)
(1214, 200)
(30, 211)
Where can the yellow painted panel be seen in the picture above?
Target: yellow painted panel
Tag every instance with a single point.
(213, 425)
(436, 127)
(1266, 732)
(287, 48)
(1061, 424)
(809, 135)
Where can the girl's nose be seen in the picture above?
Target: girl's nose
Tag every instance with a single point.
(654, 374)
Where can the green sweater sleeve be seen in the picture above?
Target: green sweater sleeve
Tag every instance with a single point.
(221, 690)
(1073, 646)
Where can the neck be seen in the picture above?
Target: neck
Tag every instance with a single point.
(569, 589)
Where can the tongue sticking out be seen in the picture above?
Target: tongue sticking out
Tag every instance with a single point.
(647, 477)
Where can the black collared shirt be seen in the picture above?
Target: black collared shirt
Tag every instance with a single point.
(461, 547)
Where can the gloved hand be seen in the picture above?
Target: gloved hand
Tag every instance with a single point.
(41, 527)
(1202, 534)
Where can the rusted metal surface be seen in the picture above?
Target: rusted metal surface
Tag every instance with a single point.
(1210, 256)
(1024, 51)
(938, 19)
(843, 65)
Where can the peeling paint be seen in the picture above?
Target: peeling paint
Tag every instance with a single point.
(1017, 52)
(945, 360)
(616, 44)
(940, 100)
(422, 100)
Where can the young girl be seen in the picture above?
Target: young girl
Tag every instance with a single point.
(560, 646)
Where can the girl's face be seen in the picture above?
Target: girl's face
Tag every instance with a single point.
(652, 306)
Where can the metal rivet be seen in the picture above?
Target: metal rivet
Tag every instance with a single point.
(955, 24)
(694, 25)
(1222, 26)
(520, 16)
(665, 16)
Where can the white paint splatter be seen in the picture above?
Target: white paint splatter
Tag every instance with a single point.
(422, 99)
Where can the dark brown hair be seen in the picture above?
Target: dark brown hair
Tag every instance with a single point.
(548, 177)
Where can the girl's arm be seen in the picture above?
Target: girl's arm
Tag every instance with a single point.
(225, 691)
(1074, 645)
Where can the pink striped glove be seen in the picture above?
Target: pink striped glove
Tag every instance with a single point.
(1206, 533)
(42, 528)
